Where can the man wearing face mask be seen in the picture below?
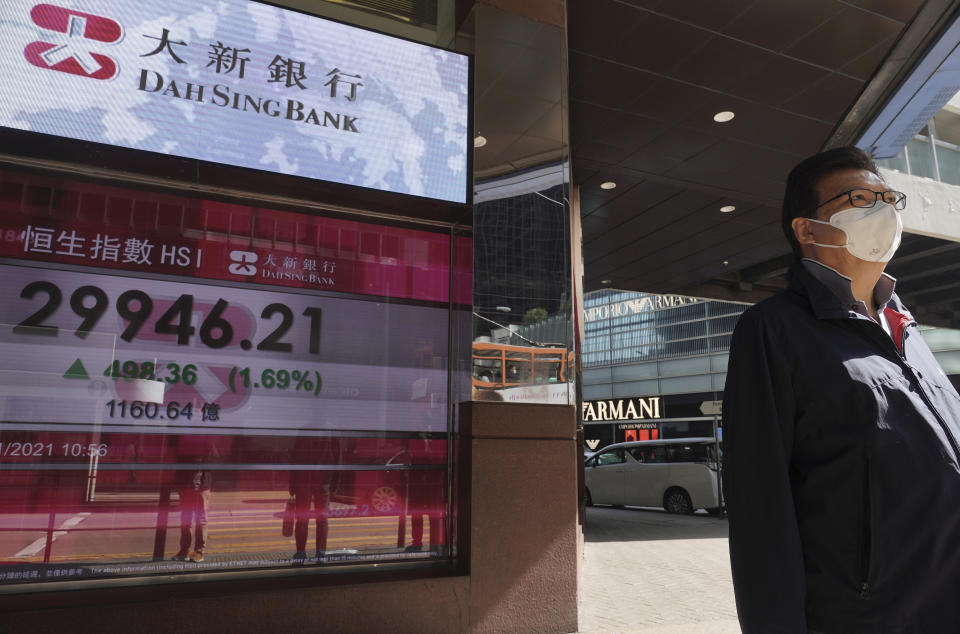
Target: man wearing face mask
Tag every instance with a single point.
(841, 432)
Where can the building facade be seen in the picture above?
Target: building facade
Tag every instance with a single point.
(655, 365)
(244, 269)
(663, 354)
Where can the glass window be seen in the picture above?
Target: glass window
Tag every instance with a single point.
(611, 457)
(521, 295)
(687, 330)
(696, 452)
(920, 155)
(648, 454)
(897, 163)
(948, 159)
(194, 386)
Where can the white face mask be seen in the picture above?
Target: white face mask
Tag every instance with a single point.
(873, 234)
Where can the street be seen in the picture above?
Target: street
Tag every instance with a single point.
(652, 572)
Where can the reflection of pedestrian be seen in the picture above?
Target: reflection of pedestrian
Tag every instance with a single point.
(425, 493)
(193, 484)
(194, 489)
(425, 497)
(311, 488)
(131, 456)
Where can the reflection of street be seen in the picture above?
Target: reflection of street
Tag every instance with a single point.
(246, 523)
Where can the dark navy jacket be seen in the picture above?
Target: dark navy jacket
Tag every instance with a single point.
(841, 475)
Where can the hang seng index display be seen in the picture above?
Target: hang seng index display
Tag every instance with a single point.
(136, 308)
(150, 352)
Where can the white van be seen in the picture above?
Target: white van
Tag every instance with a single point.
(679, 474)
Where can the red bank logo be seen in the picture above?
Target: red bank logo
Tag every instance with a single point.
(243, 263)
(70, 52)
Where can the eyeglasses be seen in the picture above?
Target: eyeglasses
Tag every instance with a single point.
(868, 198)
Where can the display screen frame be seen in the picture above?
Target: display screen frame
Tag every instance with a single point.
(446, 563)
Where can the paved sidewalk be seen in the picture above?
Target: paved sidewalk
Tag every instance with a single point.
(655, 573)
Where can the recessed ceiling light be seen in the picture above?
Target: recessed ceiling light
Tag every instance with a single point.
(727, 208)
(479, 140)
(606, 281)
(608, 185)
(723, 117)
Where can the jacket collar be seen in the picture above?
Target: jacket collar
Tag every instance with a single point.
(830, 294)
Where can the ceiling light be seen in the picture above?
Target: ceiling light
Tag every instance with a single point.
(606, 281)
(479, 140)
(723, 117)
(608, 185)
(727, 209)
(726, 262)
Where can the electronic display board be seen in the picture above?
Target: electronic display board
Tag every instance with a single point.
(243, 84)
(168, 357)
(275, 319)
(81, 348)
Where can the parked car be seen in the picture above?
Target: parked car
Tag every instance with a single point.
(678, 474)
(377, 478)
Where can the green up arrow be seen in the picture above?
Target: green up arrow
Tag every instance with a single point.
(76, 371)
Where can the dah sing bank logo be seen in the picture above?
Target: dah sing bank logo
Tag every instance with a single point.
(243, 263)
(70, 51)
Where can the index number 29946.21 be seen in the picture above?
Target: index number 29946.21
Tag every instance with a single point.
(135, 307)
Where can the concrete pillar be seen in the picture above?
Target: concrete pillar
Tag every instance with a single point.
(522, 530)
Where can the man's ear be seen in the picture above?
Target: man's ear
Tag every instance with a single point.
(803, 230)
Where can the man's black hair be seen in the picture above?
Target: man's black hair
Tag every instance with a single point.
(800, 196)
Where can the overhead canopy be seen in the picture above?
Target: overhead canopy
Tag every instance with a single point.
(647, 78)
